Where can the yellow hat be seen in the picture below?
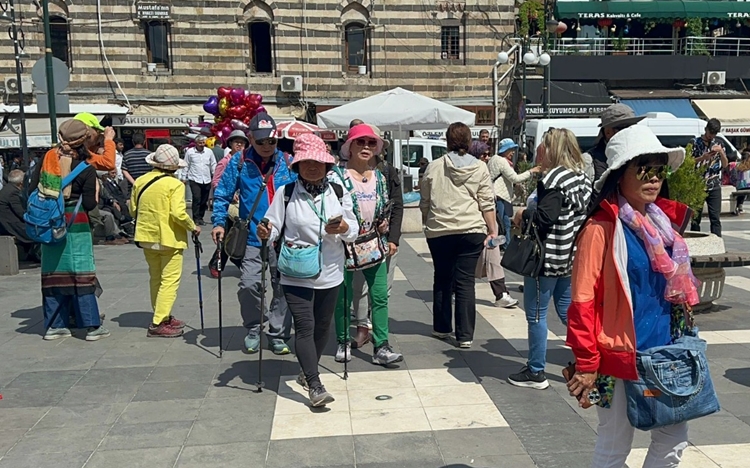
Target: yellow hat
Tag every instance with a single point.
(90, 120)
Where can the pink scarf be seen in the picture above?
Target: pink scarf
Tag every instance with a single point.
(655, 230)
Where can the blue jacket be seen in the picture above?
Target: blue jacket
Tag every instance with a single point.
(249, 184)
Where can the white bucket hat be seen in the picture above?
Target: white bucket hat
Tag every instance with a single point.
(166, 157)
(633, 142)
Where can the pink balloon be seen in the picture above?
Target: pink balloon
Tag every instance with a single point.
(239, 125)
(237, 96)
(220, 134)
(561, 27)
(260, 109)
(227, 129)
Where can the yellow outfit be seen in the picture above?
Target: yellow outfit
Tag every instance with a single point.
(162, 224)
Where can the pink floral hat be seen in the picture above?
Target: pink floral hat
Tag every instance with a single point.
(310, 147)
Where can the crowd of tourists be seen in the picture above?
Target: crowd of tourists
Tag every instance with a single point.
(600, 239)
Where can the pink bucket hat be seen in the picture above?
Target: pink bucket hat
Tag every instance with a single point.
(310, 147)
(360, 131)
(166, 157)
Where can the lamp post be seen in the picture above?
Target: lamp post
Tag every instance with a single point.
(51, 92)
(528, 57)
(17, 51)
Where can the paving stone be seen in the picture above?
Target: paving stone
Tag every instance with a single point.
(473, 443)
(406, 447)
(320, 451)
(162, 457)
(9, 437)
(158, 391)
(83, 415)
(141, 412)
(564, 436)
(60, 440)
(718, 429)
(491, 461)
(31, 397)
(43, 379)
(20, 418)
(99, 394)
(565, 459)
(36, 460)
(118, 376)
(237, 455)
(198, 373)
(150, 435)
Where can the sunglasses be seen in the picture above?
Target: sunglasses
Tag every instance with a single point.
(371, 143)
(645, 173)
(266, 141)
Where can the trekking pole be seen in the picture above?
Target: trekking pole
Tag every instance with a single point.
(220, 247)
(198, 251)
(263, 266)
(347, 312)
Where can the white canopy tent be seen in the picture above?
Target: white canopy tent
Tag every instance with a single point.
(397, 109)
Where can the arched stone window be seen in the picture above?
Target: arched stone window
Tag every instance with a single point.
(260, 32)
(355, 20)
(59, 30)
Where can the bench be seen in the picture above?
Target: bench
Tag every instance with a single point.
(8, 256)
(709, 269)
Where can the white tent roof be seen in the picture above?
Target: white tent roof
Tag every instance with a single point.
(394, 109)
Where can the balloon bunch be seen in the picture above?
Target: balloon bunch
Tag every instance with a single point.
(233, 109)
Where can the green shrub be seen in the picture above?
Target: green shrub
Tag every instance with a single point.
(687, 185)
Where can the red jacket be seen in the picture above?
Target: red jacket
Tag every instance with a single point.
(601, 332)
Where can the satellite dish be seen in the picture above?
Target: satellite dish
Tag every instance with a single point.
(60, 74)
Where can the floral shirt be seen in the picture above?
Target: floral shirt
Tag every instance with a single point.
(713, 165)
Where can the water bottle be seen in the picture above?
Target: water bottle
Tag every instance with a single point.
(495, 242)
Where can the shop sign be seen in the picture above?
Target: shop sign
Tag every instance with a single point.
(735, 130)
(33, 141)
(150, 10)
(608, 15)
(738, 15)
(153, 121)
(585, 110)
(440, 134)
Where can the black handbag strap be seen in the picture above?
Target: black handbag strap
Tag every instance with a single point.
(261, 192)
(145, 187)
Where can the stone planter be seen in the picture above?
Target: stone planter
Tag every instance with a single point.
(712, 279)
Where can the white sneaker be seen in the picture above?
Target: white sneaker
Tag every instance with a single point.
(507, 301)
(344, 353)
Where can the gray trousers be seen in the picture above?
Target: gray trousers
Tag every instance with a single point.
(103, 223)
(277, 313)
(360, 303)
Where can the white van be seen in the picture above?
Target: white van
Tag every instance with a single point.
(672, 131)
(406, 154)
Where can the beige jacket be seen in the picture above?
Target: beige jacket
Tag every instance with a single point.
(504, 176)
(455, 191)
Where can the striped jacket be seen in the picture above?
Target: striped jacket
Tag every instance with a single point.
(563, 197)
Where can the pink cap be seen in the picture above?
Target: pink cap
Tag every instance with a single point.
(310, 147)
(361, 131)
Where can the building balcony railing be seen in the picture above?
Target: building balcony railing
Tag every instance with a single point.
(713, 46)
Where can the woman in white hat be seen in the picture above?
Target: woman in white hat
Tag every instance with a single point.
(157, 201)
(631, 277)
(310, 221)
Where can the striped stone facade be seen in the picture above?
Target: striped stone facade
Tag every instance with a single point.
(209, 47)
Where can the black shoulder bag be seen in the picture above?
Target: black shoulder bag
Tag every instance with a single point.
(525, 254)
(235, 241)
(138, 198)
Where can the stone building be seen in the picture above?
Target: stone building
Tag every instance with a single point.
(164, 58)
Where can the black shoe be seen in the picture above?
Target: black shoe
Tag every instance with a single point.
(528, 379)
(319, 396)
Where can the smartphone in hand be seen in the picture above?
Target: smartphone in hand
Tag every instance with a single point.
(335, 221)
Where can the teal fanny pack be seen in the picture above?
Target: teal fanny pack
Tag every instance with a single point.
(300, 262)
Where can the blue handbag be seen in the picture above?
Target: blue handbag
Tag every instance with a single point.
(673, 386)
(297, 261)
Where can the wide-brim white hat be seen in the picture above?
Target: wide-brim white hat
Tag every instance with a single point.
(632, 142)
(166, 157)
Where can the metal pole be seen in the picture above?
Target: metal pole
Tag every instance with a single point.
(51, 93)
(21, 110)
(545, 84)
(494, 99)
(523, 92)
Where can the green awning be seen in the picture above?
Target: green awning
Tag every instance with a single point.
(652, 9)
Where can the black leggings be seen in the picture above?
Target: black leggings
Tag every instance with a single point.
(312, 311)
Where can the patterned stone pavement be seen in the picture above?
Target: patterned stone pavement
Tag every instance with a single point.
(129, 401)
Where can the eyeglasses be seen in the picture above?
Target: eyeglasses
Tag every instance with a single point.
(645, 173)
(371, 143)
(266, 141)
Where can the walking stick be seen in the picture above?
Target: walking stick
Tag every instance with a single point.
(263, 266)
(347, 312)
(198, 251)
(220, 247)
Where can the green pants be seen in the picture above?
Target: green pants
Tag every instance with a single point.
(377, 290)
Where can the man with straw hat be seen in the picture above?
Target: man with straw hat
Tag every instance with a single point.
(158, 202)
(614, 118)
